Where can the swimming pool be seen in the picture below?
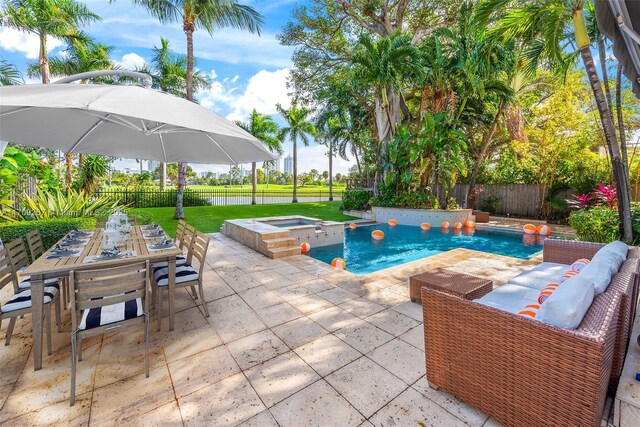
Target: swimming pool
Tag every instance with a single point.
(404, 243)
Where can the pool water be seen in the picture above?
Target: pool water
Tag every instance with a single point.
(404, 243)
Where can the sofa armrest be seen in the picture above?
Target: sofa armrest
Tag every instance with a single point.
(567, 251)
(519, 370)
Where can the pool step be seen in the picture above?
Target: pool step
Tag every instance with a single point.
(276, 253)
(281, 242)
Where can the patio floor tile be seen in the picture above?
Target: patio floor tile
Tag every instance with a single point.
(166, 416)
(361, 307)
(263, 419)
(401, 359)
(237, 279)
(334, 318)
(392, 322)
(57, 414)
(224, 404)
(411, 407)
(299, 332)
(316, 405)
(410, 309)
(201, 369)
(233, 319)
(363, 336)
(318, 285)
(279, 378)
(337, 295)
(278, 314)
(327, 354)
(214, 287)
(292, 292)
(415, 337)
(13, 356)
(260, 297)
(257, 348)
(310, 304)
(366, 385)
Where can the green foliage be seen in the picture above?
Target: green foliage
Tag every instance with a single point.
(600, 224)
(55, 204)
(144, 197)
(387, 197)
(491, 204)
(355, 200)
(52, 229)
(92, 169)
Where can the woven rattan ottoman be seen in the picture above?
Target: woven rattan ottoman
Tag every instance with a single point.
(451, 282)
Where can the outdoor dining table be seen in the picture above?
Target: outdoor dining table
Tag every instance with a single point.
(45, 268)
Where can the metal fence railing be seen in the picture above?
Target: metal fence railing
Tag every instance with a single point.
(148, 198)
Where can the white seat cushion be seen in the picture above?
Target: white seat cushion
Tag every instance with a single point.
(541, 275)
(509, 297)
(600, 272)
(26, 283)
(180, 260)
(22, 299)
(184, 273)
(614, 252)
(100, 316)
(568, 304)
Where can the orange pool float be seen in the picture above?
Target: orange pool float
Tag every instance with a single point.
(529, 229)
(353, 226)
(425, 226)
(392, 222)
(377, 234)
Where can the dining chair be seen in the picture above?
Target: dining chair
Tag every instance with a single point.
(20, 303)
(101, 222)
(19, 259)
(107, 300)
(186, 274)
(35, 243)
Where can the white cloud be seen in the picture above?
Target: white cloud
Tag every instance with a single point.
(17, 41)
(131, 61)
(315, 157)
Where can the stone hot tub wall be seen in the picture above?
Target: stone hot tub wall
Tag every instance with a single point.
(435, 217)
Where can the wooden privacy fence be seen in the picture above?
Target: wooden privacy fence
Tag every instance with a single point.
(512, 199)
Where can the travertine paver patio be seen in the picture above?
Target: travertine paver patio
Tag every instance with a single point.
(290, 342)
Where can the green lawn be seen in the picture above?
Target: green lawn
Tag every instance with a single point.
(208, 219)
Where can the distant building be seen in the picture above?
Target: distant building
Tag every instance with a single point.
(288, 164)
(276, 165)
(152, 165)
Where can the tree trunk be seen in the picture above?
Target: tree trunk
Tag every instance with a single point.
(295, 171)
(44, 61)
(471, 196)
(330, 171)
(624, 206)
(254, 183)
(603, 66)
(163, 176)
(68, 157)
(621, 133)
(189, 28)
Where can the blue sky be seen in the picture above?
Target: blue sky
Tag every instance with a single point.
(248, 71)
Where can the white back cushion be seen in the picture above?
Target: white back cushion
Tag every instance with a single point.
(566, 307)
(600, 272)
(614, 252)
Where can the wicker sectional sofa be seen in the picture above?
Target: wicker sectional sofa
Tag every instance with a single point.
(524, 372)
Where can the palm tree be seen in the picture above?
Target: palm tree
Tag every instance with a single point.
(9, 74)
(266, 131)
(547, 28)
(209, 15)
(61, 19)
(299, 127)
(79, 57)
(169, 74)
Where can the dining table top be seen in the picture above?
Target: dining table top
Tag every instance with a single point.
(137, 246)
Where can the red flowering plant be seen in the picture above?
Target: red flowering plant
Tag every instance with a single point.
(602, 195)
(607, 195)
(583, 201)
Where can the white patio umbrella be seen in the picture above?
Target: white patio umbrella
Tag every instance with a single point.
(122, 121)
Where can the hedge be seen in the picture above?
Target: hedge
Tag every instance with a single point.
(52, 230)
(355, 200)
(601, 224)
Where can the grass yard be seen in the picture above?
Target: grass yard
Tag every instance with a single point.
(208, 219)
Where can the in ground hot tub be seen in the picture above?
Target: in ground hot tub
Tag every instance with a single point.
(281, 236)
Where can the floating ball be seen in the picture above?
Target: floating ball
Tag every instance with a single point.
(425, 226)
(469, 224)
(305, 247)
(579, 264)
(544, 230)
(445, 224)
(392, 222)
(377, 234)
(353, 226)
(457, 225)
(339, 263)
(529, 229)
(529, 239)
(470, 231)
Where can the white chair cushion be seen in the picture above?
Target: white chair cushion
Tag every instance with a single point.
(180, 260)
(510, 298)
(26, 283)
(600, 272)
(184, 273)
(100, 316)
(614, 252)
(23, 299)
(568, 304)
(541, 275)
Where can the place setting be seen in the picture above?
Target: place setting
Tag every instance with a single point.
(59, 251)
(161, 245)
(110, 254)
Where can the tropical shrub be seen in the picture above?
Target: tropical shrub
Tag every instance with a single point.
(355, 200)
(152, 198)
(599, 224)
(491, 204)
(52, 229)
(92, 169)
(54, 204)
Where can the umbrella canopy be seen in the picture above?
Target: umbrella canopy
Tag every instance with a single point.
(619, 20)
(122, 121)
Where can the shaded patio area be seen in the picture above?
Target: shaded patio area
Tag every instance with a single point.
(289, 342)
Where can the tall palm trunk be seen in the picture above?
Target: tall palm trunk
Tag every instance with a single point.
(43, 60)
(68, 169)
(254, 183)
(619, 175)
(188, 27)
(330, 171)
(295, 170)
(603, 67)
(621, 133)
(163, 176)
(471, 195)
